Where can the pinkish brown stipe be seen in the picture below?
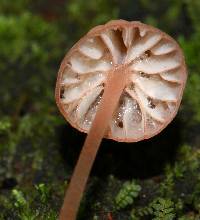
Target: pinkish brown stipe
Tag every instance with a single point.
(123, 81)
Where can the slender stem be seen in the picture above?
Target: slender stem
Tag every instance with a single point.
(113, 89)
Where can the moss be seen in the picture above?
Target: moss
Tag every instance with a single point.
(163, 209)
(27, 210)
(175, 195)
(191, 98)
(127, 194)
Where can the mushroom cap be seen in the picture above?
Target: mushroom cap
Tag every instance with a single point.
(153, 92)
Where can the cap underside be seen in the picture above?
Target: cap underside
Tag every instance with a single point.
(152, 94)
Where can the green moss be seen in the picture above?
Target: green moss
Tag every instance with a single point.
(127, 194)
(25, 210)
(191, 96)
(163, 209)
(28, 48)
(5, 126)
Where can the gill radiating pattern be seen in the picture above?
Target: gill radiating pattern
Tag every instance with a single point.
(148, 100)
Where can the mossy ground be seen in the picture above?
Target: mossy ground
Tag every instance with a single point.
(154, 179)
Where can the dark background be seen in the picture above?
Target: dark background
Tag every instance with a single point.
(38, 148)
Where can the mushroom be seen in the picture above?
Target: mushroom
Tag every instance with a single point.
(123, 81)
